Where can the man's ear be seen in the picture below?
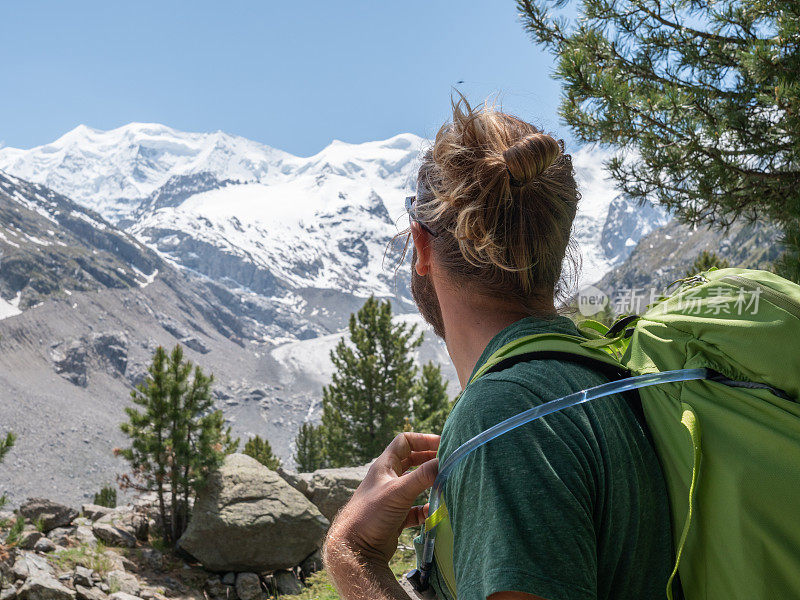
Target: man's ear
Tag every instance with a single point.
(422, 244)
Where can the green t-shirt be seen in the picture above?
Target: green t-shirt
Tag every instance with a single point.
(572, 506)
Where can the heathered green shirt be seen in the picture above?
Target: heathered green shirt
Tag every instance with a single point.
(569, 507)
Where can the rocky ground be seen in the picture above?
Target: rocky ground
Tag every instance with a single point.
(254, 534)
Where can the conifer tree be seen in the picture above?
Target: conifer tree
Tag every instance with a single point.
(370, 394)
(260, 449)
(6, 444)
(309, 453)
(706, 94)
(706, 260)
(176, 437)
(431, 403)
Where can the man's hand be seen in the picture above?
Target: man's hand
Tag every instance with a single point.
(363, 537)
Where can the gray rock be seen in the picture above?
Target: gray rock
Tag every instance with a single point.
(331, 489)
(123, 596)
(248, 518)
(195, 344)
(72, 363)
(113, 536)
(312, 564)
(248, 586)
(83, 576)
(124, 582)
(61, 535)
(44, 587)
(229, 578)
(49, 513)
(28, 564)
(287, 583)
(8, 593)
(81, 522)
(217, 590)
(84, 536)
(299, 481)
(89, 593)
(28, 539)
(95, 511)
(121, 527)
(44, 545)
(112, 349)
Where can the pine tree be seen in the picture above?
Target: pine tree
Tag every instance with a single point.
(261, 450)
(706, 260)
(176, 437)
(370, 394)
(707, 94)
(107, 496)
(309, 454)
(431, 402)
(6, 444)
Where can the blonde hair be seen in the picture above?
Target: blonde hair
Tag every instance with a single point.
(503, 196)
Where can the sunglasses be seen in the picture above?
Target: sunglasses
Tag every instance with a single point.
(412, 215)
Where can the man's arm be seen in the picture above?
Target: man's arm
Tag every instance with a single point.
(364, 535)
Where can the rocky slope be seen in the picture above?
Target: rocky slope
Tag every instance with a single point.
(666, 254)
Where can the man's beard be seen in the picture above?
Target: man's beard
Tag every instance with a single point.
(424, 295)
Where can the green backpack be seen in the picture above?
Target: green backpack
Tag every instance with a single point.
(729, 446)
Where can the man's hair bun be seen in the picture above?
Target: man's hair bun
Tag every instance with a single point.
(529, 157)
(503, 195)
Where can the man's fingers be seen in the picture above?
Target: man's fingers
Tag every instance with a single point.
(413, 483)
(416, 459)
(404, 445)
(416, 516)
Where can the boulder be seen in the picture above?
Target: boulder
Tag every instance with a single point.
(44, 587)
(44, 545)
(82, 576)
(89, 593)
(84, 536)
(287, 583)
(8, 593)
(312, 564)
(28, 564)
(61, 535)
(123, 582)
(248, 586)
(72, 362)
(299, 481)
(216, 589)
(28, 539)
(49, 513)
(331, 489)
(247, 518)
(123, 596)
(121, 527)
(95, 511)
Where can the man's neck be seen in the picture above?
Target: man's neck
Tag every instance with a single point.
(470, 326)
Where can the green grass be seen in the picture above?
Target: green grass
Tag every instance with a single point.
(319, 586)
(85, 556)
(39, 524)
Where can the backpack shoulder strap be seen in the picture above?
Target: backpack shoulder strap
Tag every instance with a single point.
(552, 345)
(569, 348)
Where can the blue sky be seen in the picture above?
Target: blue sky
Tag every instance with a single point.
(293, 75)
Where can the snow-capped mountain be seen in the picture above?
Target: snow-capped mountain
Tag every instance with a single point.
(278, 229)
(110, 171)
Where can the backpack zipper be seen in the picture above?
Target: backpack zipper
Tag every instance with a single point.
(780, 300)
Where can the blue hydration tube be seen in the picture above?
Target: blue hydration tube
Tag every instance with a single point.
(421, 576)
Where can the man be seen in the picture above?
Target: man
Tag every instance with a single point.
(571, 506)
